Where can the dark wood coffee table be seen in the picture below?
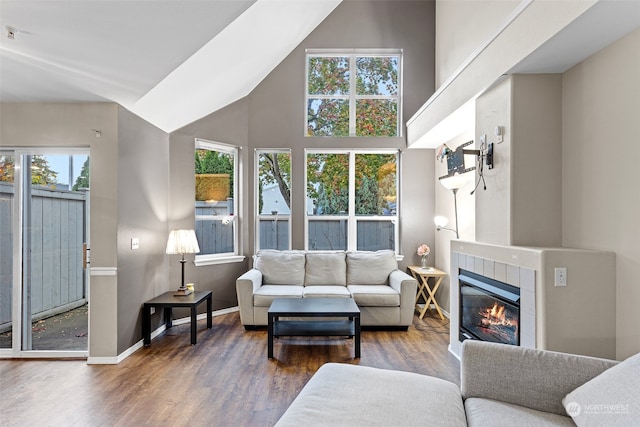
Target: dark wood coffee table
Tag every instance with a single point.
(314, 307)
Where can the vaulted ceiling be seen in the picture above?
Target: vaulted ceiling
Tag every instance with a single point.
(169, 61)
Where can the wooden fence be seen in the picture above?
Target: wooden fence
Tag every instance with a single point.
(274, 233)
(56, 237)
(333, 234)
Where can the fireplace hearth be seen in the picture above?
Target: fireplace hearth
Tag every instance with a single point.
(489, 309)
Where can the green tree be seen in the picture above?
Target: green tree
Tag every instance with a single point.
(328, 181)
(82, 181)
(374, 77)
(367, 197)
(375, 182)
(275, 168)
(41, 172)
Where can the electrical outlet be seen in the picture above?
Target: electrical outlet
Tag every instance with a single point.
(135, 243)
(561, 276)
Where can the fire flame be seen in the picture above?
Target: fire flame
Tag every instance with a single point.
(495, 316)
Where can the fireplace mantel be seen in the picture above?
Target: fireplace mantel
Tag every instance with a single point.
(578, 318)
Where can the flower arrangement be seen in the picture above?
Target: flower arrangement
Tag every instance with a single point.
(423, 250)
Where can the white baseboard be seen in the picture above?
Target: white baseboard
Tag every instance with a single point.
(445, 313)
(128, 352)
(454, 353)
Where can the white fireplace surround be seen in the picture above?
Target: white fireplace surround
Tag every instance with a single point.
(578, 318)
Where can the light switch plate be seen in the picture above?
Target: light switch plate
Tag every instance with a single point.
(135, 243)
(560, 276)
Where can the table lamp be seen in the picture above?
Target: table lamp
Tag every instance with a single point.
(182, 242)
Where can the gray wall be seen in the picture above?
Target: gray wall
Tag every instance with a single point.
(228, 125)
(143, 199)
(272, 116)
(600, 152)
(522, 204)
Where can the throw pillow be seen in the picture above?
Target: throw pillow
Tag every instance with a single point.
(612, 398)
(281, 267)
(325, 268)
(370, 268)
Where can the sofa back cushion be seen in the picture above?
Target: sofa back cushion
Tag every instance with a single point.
(281, 267)
(370, 268)
(325, 268)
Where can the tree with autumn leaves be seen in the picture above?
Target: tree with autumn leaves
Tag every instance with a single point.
(375, 183)
(328, 181)
(376, 95)
(41, 173)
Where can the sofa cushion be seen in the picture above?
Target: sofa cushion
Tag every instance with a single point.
(325, 291)
(263, 297)
(374, 295)
(545, 379)
(281, 267)
(350, 395)
(370, 268)
(612, 398)
(488, 412)
(325, 268)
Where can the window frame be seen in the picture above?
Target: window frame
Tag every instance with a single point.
(225, 257)
(352, 97)
(260, 216)
(351, 217)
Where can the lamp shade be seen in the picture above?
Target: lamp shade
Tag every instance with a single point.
(453, 182)
(182, 242)
(441, 221)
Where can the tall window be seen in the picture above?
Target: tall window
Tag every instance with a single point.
(355, 93)
(216, 169)
(273, 228)
(352, 200)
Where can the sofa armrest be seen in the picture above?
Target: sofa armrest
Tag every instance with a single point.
(246, 285)
(407, 286)
(535, 379)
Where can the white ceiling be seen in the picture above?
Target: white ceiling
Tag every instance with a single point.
(174, 61)
(598, 27)
(169, 61)
(602, 24)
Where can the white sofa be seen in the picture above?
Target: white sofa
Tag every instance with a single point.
(384, 294)
(501, 385)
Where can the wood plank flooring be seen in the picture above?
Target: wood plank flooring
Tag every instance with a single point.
(224, 380)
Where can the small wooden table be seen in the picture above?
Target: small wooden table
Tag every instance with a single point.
(167, 301)
(423, 275)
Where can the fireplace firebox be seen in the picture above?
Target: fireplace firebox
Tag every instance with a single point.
(489, 309)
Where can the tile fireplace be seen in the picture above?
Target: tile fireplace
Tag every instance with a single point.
(508, 294)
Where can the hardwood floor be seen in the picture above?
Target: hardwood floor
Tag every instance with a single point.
(224, 380)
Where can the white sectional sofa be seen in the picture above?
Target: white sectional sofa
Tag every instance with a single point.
(384, 294)
(501, 385)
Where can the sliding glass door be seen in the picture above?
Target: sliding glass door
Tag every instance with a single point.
(7, 200)
(44, 215)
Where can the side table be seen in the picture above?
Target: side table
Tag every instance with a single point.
(167, 301)
(423, 275)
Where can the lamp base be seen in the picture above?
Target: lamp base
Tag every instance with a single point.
(182, 292)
